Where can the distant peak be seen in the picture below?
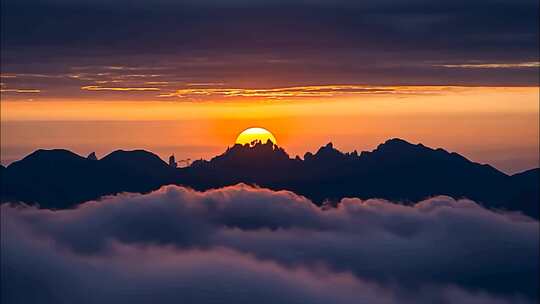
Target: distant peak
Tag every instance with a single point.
(133, 155)
(398, 144)
(52, 153)
(397, 141)
(328, 148)
(326, 153)
(139, 151)
(92, 156)
(54, 156)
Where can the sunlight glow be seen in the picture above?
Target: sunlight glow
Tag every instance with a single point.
(250, 135)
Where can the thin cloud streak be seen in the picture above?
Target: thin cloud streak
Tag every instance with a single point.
(195, 84)
(492, 65)
(307, 91)
(122, 89)
(23, 91)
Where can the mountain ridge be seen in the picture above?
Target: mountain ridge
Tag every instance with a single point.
(396, 170)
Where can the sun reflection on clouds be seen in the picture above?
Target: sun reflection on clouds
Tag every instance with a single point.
(98, 88)
(308, 91)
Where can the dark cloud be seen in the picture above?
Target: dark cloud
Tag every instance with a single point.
(240, 244)
(283, 42)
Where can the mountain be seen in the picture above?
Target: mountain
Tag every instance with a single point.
(524, 189)
(396, 170)
(134, 171)
(61, 179)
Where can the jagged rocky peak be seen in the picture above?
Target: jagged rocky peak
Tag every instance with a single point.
(328, 150)
(172, 162)
(92, 156)
(245, 154)
(256, 146)
(257, 143)
(328, 153)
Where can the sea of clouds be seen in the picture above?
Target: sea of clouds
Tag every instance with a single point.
(242, 244)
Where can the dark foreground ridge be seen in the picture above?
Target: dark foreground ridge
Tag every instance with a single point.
(396, 170)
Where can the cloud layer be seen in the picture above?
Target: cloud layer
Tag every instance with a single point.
(241, 244)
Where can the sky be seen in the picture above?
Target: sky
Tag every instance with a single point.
(186, 77)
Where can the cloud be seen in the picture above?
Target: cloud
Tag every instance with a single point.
(130, 274)
(126, 68)
(5, 89)
(122, 89)
(306, 91)
(276, 43)
(29, 75)
(240, 244)
(492, 65)
(20, 91)
(199, 84)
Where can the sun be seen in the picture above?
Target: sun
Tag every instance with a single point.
(248, 136)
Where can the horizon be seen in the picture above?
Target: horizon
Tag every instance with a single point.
(189, 161)
(494, 125)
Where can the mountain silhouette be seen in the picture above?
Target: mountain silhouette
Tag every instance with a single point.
(396, 170)
(61, 179)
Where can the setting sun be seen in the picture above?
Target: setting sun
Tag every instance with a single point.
(252, 134)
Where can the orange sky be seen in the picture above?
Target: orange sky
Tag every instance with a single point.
(498, 125)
